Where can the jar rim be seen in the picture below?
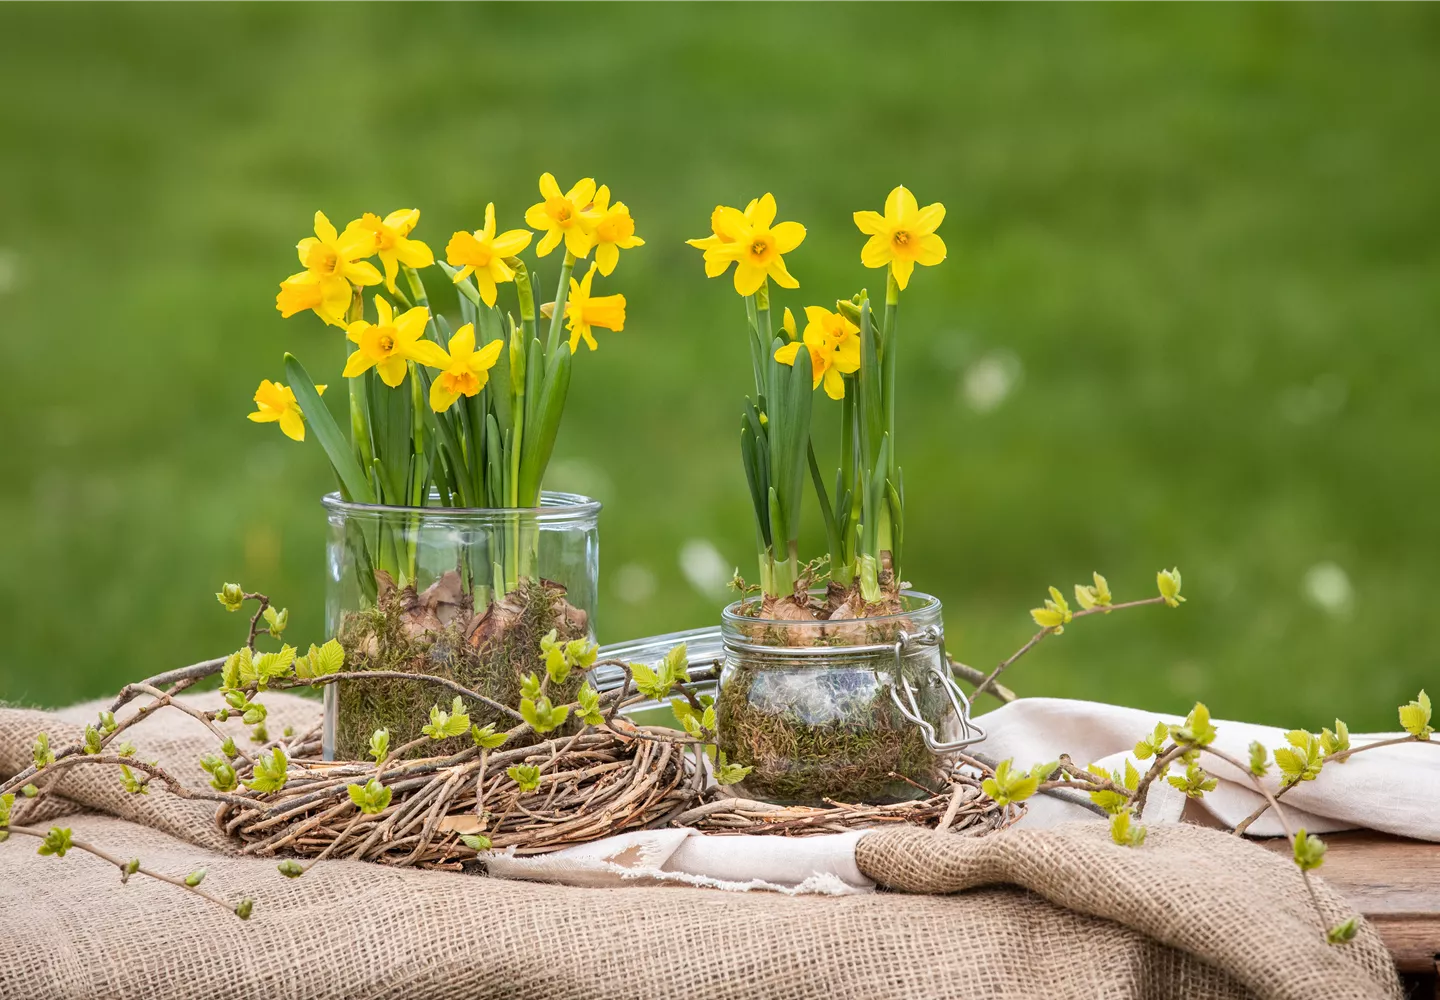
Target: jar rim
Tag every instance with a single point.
(924, 603)
(555, 505)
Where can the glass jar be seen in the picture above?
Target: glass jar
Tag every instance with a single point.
(859, 710)
(459, 593)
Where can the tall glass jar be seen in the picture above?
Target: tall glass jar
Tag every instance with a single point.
(859, 710)
(460, 593)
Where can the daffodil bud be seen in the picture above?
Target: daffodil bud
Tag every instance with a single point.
(849, 310)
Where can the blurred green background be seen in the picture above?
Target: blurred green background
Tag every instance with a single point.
(1189, 315)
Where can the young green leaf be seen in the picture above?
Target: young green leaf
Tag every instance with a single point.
(380, 744)
(1302, 760)
(244, 908)
(1337, 741)
(290, 868)
(371, 798)
(1168, 580)
(1195, 783)
(1415, 717)
(221, 771)
(1097, 596)
(92, 739)
(321, 661)
(1153, 745)
(271, 771)
(132, 784)
(57, 842)
(444, 725)
(107, 722)
(727, 773)
(1309, 850)
(231, 596)
(276, 621)
(556, 664)
(1196, 729)
(272, 665)
(1344, 931)
(1055, 615)
(475, 842)
(542, 716)
(1124, 831)
(1259, 759)
(589, 705)
(40, 751)
(6, 802)
(1009, 785)
(527, 776)
(530, 686)
(195, 877)
(487, 738)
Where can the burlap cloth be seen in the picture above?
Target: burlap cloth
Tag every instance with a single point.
(1024, 913)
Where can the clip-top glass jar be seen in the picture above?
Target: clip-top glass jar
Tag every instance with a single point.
(461, 593)
(857, 710)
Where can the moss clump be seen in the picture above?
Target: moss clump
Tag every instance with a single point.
(817, 731)
(437, 632)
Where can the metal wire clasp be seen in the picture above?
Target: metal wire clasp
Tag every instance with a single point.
(932, 635)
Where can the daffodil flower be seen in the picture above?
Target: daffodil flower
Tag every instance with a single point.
(387, 345)
(276, 402)
(903, 237)
(483, 254)
(834, 349)
(393, 243)
(463, 370)
(755, 245)
(563, 216)
(335, 257)
(583, 311)
(328, 297)
(613, 230)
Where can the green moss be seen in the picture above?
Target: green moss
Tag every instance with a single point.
(490, 661)
(817, 732)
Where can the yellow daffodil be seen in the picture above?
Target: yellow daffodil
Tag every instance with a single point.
(328, 297)
(483, 254)
(613, 231)
(582, 311)
(276, 402)
(463, 370)
(834, 349)
(393, 243)
(753, 242)
(387, 345)
(332, 256)
(903, 237)
(563, 216)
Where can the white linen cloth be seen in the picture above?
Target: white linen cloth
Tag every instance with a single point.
(1392, 789)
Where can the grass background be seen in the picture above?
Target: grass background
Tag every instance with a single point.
(1189, 315)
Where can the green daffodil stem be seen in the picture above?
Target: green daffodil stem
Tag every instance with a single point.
(757, 347)
(562, 290)
(765, 334)
(889, 529)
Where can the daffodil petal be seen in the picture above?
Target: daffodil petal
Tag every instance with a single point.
(578, 242)
(786, 354)
(550, 242)
(834, 384)
(748, 277)
(876, 252)
(548, 187)
(900, 204)
(356, 364)
(293, 425)
(324, 229)
(781, 275)
(788, 236)
(930, 251)
(511, 242)
(392, 370)
(901, 269)
(362, 272)
(440, 400)
(870, 223)
(763, 213)
(928, 219)
(607, 255)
